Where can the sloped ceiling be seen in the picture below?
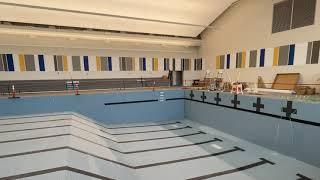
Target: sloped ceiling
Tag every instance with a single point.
(168, 17)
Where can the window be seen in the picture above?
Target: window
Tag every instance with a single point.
(291, 14)
(313, 52)
(76, 63)
(86, 63)
(303, 13)
(41, 63)
(126, 64)
(166, 64)
(155, 64)
(198, 64)
(253, 58)
(185, 65)
(104, 63)
(27, 62)
(60, 63)
(220, 62)
(6, 62)
(142, 64)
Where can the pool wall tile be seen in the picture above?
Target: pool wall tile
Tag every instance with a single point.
(92, 105)
(270, 129)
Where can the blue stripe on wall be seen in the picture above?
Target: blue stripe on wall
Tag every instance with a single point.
(291, 54)
(144, 64)
(110, 63)
(262, 57)
(10, 62)
(41, 63)
(86, 63)
(228, 61)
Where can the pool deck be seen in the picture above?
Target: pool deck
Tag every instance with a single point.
(92, 91)
(292, 97)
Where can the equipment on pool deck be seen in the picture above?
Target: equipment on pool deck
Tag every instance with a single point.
(237, 88)
(13, 93)
(73, 85)
(287, 81)
(217, 84)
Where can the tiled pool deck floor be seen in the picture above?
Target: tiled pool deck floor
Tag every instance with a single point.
(70, 146)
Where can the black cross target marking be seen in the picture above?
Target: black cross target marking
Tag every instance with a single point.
(218, 99)
(203, 97)
(289, 110)
(191, 95)
(258, 105)
(235, 101)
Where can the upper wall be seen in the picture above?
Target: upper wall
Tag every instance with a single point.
(92, 50)
(247, 26)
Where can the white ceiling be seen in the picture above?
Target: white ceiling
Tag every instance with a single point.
(171, 17)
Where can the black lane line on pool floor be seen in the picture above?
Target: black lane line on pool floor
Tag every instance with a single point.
(84, 119)
(120, 127)
(52, 170)
(116, 150)
(128, 141)
(70, 119)
(235, 149)
(242, 168)
(114, 134)
(260, 113)
(302, 177)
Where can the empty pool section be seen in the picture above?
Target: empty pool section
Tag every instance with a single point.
(157, 135)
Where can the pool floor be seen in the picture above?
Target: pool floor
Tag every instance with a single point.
(71, 146)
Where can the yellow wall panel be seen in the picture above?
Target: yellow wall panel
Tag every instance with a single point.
(22, 62)
(276, 56)
(218, 62)
(65, 63)
(98, 61)
(244, 58)
(155, 64)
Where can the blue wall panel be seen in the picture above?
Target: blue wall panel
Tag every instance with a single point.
(144, 66)
(110, 63)
(291, 54)
(262, 57)
(228, 61)
(10, 62)
(41, 63)
(86, 63)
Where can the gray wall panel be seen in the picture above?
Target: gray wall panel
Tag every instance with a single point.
(30, 64)
(283, 56)
(253, 58)
(76, 65)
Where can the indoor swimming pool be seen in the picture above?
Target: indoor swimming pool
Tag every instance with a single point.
(161, 134)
